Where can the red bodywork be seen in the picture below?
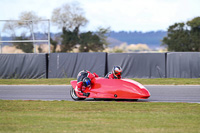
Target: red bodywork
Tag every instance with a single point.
(115, 89)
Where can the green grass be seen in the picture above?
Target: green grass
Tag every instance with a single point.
(98, 117)
(170, 81)
(66, 81)
(61, 81)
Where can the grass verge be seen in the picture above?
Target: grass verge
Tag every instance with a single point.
(66, 81)
(98, 117)
(58, 81)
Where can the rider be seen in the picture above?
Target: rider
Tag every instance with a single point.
(115, 74)
(85, 79)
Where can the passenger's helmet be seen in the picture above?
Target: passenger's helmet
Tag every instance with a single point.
(117, 70)
(86, 82)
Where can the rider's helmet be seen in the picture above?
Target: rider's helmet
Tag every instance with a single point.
(86, 82)
(117, 70)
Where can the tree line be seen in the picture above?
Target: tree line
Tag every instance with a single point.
(183, 36)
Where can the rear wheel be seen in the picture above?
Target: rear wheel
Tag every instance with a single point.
(74, 96)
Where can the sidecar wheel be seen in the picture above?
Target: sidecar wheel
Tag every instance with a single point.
(74, 96)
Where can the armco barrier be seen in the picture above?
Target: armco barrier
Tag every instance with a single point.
(139, 65)
(23, 66)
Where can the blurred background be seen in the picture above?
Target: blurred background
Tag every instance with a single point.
(112, 26)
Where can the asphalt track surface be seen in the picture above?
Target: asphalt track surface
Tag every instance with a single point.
(159, 93)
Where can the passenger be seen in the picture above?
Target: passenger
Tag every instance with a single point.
(115, 74)
(85, 79)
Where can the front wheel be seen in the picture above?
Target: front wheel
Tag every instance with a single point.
(74, 96)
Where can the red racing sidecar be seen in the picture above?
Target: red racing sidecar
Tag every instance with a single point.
(112, 89)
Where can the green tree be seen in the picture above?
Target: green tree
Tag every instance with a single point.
(95, 42)
(90, 41)
(69, 39)
(194, 25)
(101, 33)
(69, 18)
(27, 47)
(183, 37)
(54, 43)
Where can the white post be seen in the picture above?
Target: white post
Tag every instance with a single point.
(49, 36)
(33, 37)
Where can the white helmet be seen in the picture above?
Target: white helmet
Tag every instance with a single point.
(117, 70)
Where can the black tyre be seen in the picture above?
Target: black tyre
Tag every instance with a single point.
(134, 99)
(74, 96)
